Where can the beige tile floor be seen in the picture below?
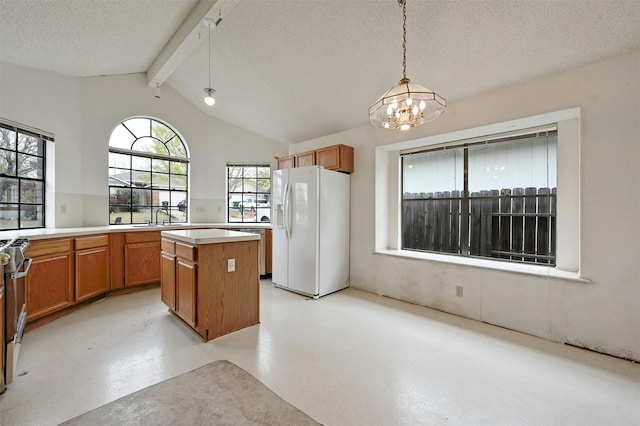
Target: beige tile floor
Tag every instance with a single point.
(350, 358)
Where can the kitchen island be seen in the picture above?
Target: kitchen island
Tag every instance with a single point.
(210, 279)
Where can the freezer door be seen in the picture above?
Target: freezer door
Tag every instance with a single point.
(280, 242)
(303, 243)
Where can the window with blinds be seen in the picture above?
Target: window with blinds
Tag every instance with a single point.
(493, 198)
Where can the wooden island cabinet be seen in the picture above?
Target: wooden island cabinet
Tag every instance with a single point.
(210, 279)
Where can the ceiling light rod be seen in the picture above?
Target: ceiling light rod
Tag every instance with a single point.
(209, 91)
(407, 104)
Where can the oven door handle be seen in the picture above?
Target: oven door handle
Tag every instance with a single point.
(27, 264)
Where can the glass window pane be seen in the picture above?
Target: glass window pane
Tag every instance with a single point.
(160, 131)
(140, 127)
(30, 166)
(120, 197)
(140, 163)
(179, 168)
(150, 145)
(161, 198)
(160, 180)
(32, 192)
(178, 197)
(8, 190)
(119, 177)
(176, 148)
(119, 215)
(141, 197)
(30, 144)
(160, 166)
(178, 182)
(142, 215)
(519, 164)
(264, 185)
(431, 172)
(8, 162)
(9, 216)
(31, 216)
(141, 179)
(235, 185)
(119, 160)
(7, 138)
(121, 137)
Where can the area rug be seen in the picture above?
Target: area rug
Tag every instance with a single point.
(219, 393)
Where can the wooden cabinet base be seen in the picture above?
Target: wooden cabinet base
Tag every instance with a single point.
(208, 298)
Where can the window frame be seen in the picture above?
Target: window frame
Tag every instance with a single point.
(254, 196)
(387, 190)
(152, 208)
(43, 139)
(472, 206)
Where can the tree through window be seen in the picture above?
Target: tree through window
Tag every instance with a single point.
(148, 173)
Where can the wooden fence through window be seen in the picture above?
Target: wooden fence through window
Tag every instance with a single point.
(516, 224)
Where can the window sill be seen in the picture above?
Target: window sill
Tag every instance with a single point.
(540, 271)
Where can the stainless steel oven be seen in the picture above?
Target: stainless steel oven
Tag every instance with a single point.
(15, 301)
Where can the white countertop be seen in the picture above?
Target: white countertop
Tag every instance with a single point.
(209, 236)
(42, 233)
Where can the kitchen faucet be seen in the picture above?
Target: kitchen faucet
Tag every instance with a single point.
(157, 210)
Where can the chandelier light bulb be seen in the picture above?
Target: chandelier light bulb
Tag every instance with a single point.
(208, 97)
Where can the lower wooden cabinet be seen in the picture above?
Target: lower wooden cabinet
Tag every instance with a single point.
(186, 290)
(135, 258)
(92, 266)
(50, 279)
(168, 279)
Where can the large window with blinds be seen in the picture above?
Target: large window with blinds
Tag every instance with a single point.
(148, 173)
(22, 177)
(249, 193)
(493, 198)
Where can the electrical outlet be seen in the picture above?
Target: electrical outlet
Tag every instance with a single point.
(459, 291)
(63, 209)
(231, 265)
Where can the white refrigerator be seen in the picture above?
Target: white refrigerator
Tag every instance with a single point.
(311, 213)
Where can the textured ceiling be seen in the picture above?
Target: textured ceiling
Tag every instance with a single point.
(294, 70)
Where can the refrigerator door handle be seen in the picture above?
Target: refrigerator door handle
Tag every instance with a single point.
(286, 211)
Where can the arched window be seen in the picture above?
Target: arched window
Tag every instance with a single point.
(148, 173)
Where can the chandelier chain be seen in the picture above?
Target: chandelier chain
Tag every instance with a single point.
(403, 3)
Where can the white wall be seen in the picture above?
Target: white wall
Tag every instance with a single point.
(601, 315)
(82, 112)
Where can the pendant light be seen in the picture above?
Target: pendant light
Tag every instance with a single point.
(408, 104)
(209, 92)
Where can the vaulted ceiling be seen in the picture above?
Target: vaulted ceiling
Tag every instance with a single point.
(294, 70)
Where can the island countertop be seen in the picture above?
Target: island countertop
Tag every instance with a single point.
(209, 236)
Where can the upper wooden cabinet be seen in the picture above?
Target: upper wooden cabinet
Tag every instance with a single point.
(287, 162)
(336, 157)
(305, 159)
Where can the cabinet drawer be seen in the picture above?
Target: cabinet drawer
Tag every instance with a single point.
(141, 237)
(168, 246)
(91, 242)
(186, 251)
(46, 247)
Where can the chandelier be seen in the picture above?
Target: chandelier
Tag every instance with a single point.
(408, 104)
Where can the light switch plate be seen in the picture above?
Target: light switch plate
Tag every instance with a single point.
(231, 265)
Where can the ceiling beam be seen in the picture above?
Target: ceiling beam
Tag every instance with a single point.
(186, 38)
